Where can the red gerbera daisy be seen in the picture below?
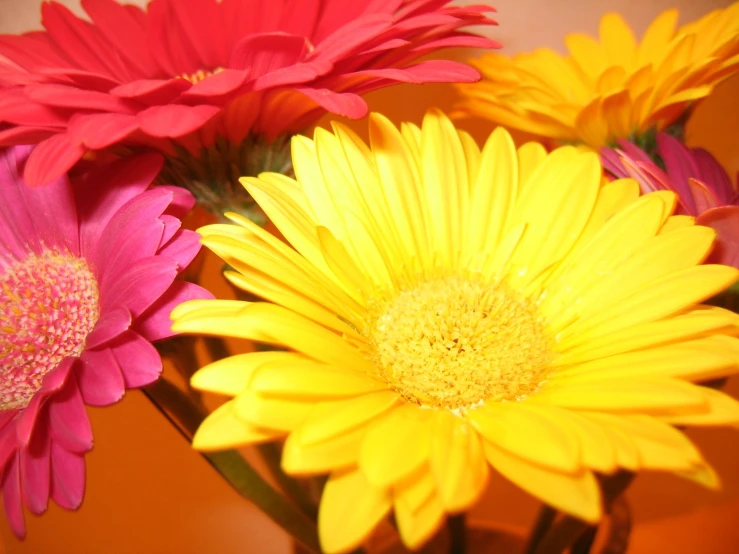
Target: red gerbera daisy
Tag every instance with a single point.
(182, 73)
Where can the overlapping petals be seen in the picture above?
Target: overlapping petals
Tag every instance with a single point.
(613, 276)
(704, 189)
(612, 88)
(191, 70)
(129, 237)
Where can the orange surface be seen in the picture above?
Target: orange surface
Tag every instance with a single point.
(148, 492)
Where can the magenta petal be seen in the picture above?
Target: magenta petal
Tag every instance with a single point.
(182, 248)
(680, 167)
(123, 180)
(12, 499)
(100, 378)
(109, 326)
(67, 477)
(141, 285)
(712, 174)
(155, 323)
(51, 159)
(27, 419)
(35, 472)
(182, 201)
(725, 221)
(175, 120)
(171, 226)
(139, 361)
(8, 442)
(68, 420)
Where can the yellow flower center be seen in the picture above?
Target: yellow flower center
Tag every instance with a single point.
(199, 75)
(48, 306)
(454, 342)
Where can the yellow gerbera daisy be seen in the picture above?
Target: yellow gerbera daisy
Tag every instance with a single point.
(447, 309)
(610, 89)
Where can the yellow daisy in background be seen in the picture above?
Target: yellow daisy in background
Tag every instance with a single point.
(615, 88)
(446, 310)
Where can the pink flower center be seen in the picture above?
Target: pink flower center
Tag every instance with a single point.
(48, 306)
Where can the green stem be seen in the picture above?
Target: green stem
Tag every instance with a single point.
(457, 534)
(271, 455)
(543, 523)
(188, 415)
(569, 529)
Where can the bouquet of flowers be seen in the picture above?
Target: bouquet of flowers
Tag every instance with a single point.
(422, 311)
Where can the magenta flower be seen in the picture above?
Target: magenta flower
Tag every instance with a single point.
(704, 189)
(87, 281)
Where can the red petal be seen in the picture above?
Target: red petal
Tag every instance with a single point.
(174, 120)
(70, 97)
(346, 104)
(217, 85)
(261, 53)
(152, 91)
(98, 131)
(51, 159)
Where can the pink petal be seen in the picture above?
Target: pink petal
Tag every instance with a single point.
(262, 53)
(182, 201)
(174, 120)
(12, 499)
(35, 471)
(702, 195)
(155, 324)
(109, 326)
(141, 285)
(182, 248)
(27, 419)
(713, 175)
(67, 477)
(346, 104)
(139, 361)
(51, 159)
(8, 441)
(680, 167)
(152, 91)
(100, 378)
(171, 226)
(98, 131)
(68, 420)
(725, 221)
(104, 190)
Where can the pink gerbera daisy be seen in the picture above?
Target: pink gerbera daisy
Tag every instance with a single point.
(87, 281)
(704, 189)
(182, 73)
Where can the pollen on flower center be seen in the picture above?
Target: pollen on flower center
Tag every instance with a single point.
(199, 75)
(48, 306)
(454, 342)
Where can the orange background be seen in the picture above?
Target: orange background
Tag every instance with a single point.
(148, 492)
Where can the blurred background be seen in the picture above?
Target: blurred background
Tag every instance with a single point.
(148, 492)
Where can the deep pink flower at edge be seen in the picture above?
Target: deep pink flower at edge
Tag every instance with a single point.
(192, 70)
(704, 189)
(87, 281)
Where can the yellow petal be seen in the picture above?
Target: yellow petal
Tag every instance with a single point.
(575, 494)
(530, 156)
(330, 419)
(356, 284)
(350, 509)
(618, 40)
(223, 430)
(659, 446)
(597, 449)
(339, 452)
(395, 445)
(273, 413)
(417, 488)
(206, 307)
(231, 375)
(303, 379)
(704, 475)
(419, 525)
(457, 462)
(721, 409)
(622, 395)
(529, 431)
